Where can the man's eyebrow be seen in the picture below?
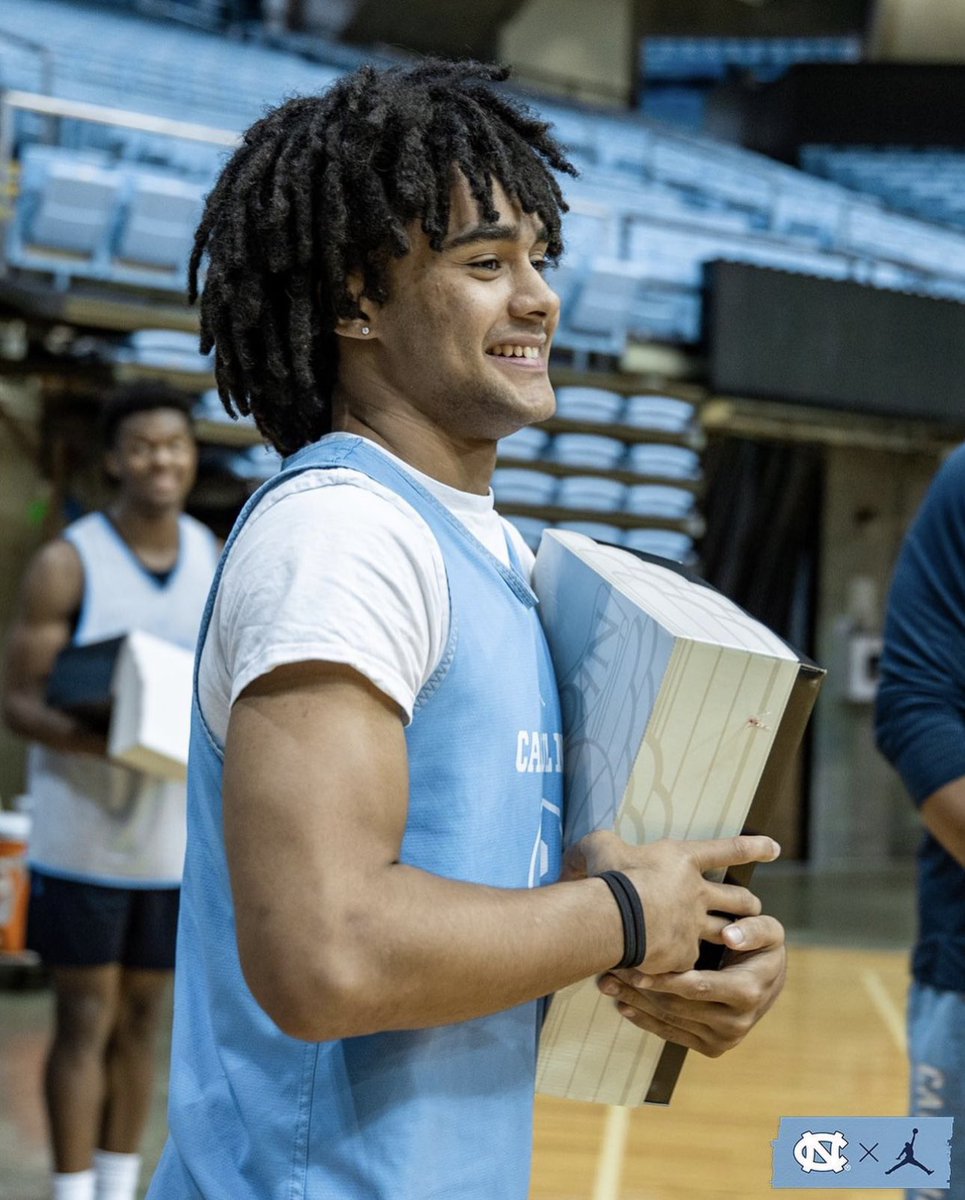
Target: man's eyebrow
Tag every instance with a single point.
(490, 233)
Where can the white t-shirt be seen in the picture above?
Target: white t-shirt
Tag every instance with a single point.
(333, 567)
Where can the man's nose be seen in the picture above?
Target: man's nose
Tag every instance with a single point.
(533, 297)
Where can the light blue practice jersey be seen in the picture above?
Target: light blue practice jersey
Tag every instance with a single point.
(433, 1114)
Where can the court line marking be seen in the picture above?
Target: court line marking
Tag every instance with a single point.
(613, 1148)
(888, 1010)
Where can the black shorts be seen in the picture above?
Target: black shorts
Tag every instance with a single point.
(72, 924)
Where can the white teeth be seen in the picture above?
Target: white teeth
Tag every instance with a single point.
(513, 351)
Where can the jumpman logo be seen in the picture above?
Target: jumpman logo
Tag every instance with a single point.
(907, 1157)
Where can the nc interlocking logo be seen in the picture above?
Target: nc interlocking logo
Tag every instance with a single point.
(821, 1152)
(882, 1152)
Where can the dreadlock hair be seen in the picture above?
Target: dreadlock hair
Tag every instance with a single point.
(324, 186)
(143, 396)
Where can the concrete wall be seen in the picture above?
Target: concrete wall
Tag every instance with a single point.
(918, 31)
(570, 40)
(860, 814)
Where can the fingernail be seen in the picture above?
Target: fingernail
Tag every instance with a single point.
(609, 987)
(734, 935)
(642, 981)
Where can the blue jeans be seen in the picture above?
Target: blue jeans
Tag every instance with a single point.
(936, 1048)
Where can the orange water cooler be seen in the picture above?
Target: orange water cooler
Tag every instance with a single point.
(14, 881)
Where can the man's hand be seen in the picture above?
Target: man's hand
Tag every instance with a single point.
(708, 1011)
(680, 906)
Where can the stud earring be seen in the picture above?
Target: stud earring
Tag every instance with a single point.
(365, 330)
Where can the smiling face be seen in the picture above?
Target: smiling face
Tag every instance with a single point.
(462, 344)
(154, 459)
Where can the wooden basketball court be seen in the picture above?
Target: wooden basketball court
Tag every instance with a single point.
(833, 1044)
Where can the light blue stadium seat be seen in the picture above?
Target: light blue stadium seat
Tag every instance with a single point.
(659, 412)
(588, 404)
(586, 450)
(161, 217)
(604, 301)
(576, 130)
(565, 281)
(591, 492)
(590, 230)
(256, 463)
(516, 485)
(528, 443)
(76, 207)
(171, 349)
(664, 462)
(624, 146)
(210, 408)
(252, 464)
(598, 530)
(666, 314)
(656, 500)
(665, 543)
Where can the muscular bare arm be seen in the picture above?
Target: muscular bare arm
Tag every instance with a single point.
(50, 597)
(338, 938)
(943, 815)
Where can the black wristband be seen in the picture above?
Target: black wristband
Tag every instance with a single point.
(631, 912)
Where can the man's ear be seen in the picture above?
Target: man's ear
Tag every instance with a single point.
(362, 327)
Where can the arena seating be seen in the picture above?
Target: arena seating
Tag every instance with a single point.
(614, 488)
(925, 183)
(651, 208)
(113, 197)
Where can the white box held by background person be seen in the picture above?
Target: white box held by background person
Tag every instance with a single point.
(681, 716)
(151, 706)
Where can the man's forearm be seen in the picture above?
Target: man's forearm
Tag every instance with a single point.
(943, 815)
(31, 718)
(417, 950)
(402, 948)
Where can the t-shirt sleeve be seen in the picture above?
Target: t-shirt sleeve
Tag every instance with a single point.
(336, 572)
(920, 707)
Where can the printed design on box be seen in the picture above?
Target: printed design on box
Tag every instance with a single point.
(682, 606)
(546, 849)
(607, 698)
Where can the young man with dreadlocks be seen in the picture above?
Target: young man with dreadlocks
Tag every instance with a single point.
(370, 911)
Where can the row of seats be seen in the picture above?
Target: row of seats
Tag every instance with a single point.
(97, 49)
(514, 485)
(652, 209)
(86, 214)
(590, 452)
(126, 61)
(595, 452)
(90, 215)
(927, 183)
(665, 543)
(677, 58)
(592, 404)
